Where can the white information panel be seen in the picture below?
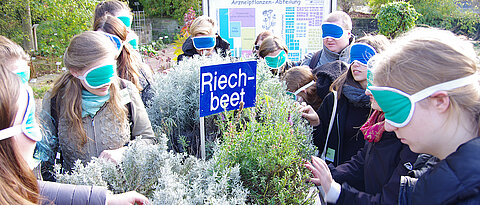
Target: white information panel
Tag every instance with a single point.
(298, 22)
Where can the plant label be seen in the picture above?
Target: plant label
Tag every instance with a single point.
(223, 87)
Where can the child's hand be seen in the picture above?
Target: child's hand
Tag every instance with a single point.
(114, 155)
(128, 198)
(310, 114)
(321, 173)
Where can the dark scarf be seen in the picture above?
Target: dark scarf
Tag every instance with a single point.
(374, 127)
(356, 96)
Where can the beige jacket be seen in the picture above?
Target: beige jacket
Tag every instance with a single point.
(104, 130)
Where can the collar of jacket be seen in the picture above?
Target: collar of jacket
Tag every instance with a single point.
(453, 179)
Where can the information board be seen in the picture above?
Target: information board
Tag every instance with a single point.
(298, 22)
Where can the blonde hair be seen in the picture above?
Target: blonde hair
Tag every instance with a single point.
(110, 7)
(425, 57)
(18, 184)
(84, 50)
(299, 76)
(271, 44)
(128, 62)
(202, 25)
(11, 52)
(378, 42)
(341, 18)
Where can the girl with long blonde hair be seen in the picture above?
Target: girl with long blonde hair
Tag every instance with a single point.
(91, 111)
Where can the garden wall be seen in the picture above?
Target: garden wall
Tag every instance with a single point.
(361, 26)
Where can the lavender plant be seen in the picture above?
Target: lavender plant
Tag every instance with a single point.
(165, 177)
(174, 109)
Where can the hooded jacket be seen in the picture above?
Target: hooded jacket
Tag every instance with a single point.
(104, 130)
(454, 180)
(372, 176)
(222, 47)
(326, 74)
(345, 138)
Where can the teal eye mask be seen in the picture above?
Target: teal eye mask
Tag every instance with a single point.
(275, 62)
(98, 77)
(399, 106)
(126, 20)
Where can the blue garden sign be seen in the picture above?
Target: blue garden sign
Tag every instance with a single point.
(223, 87)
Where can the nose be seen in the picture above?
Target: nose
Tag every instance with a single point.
(389, 127)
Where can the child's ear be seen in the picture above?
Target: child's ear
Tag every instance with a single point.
(440, 101)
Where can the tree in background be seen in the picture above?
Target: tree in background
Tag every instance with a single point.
(170, 8)
(16, 22)
(395, 18)
(59, 20)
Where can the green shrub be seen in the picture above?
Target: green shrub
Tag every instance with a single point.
(269, 143)
(395, 18)
(39, 92)
(170, 8)
(162, 176)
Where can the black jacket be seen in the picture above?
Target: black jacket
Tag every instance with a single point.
(221, 46)
(454, 180)
(372, 176)
(345, 138)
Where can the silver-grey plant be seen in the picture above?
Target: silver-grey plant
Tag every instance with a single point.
(163, 176)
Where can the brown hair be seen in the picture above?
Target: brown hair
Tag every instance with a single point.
(111, 7)
(340, 17)
(128, 62)
(271, 44)
(18, 184)
(426, 57)
(84, 50)
(11, 52)
(299, 76)
(202, 25)
(379, 43)
(261, 37)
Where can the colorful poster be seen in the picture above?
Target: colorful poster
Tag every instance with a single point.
(297, 22)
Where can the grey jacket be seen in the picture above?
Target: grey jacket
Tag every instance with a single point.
(104, 130)
(69, 194)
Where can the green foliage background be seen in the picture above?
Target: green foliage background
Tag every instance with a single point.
(395, 18)
(170, 8)
(446, 14)
(59, 21)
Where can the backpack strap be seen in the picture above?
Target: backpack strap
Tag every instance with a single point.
(315, 59)
(332, 118)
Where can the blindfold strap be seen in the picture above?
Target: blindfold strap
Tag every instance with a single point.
(10, 132)
(304, 87)
(444, 86)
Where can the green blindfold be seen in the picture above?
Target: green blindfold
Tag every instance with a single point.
(99, 76)
(275, 62)
(399, 106)
(126, 20)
